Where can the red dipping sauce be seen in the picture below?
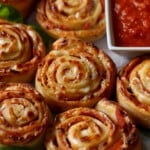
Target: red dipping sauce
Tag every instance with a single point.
(131, 22)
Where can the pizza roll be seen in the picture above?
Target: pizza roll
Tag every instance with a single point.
(24, 117)
(107, 127)
(133, 89)
(75, 73)
(83, 19)
(21, 49)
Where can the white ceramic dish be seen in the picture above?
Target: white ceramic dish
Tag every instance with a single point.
(110, 34)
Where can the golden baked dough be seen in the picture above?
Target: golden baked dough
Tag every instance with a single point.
(23, 6)
(75, 73)
(21, 49)
(107, 128)
(83, 19)
(133, 89)
(24, 116)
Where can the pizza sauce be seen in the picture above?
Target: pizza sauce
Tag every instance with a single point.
(131, 21)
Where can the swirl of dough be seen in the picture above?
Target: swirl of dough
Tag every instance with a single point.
(87, 128)
(21, 49)
(72, 18)
(75, 73)
(133, 89)
(24, 115)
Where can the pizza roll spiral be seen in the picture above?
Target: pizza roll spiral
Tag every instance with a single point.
(107, 127)
(21, 49)
(75, 73)
(133, 89)
(24, 117)
(83, 19)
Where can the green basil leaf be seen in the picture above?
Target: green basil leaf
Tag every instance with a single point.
(10, 13)
(13, 148)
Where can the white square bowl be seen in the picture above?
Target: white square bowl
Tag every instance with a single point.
(110, 34)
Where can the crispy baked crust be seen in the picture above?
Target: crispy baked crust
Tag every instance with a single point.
(82, 19)
(23, 6)
(75, 73)
(24, 115)
(128, 137)
(21, 49)
(107, 127)
(133, 89)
